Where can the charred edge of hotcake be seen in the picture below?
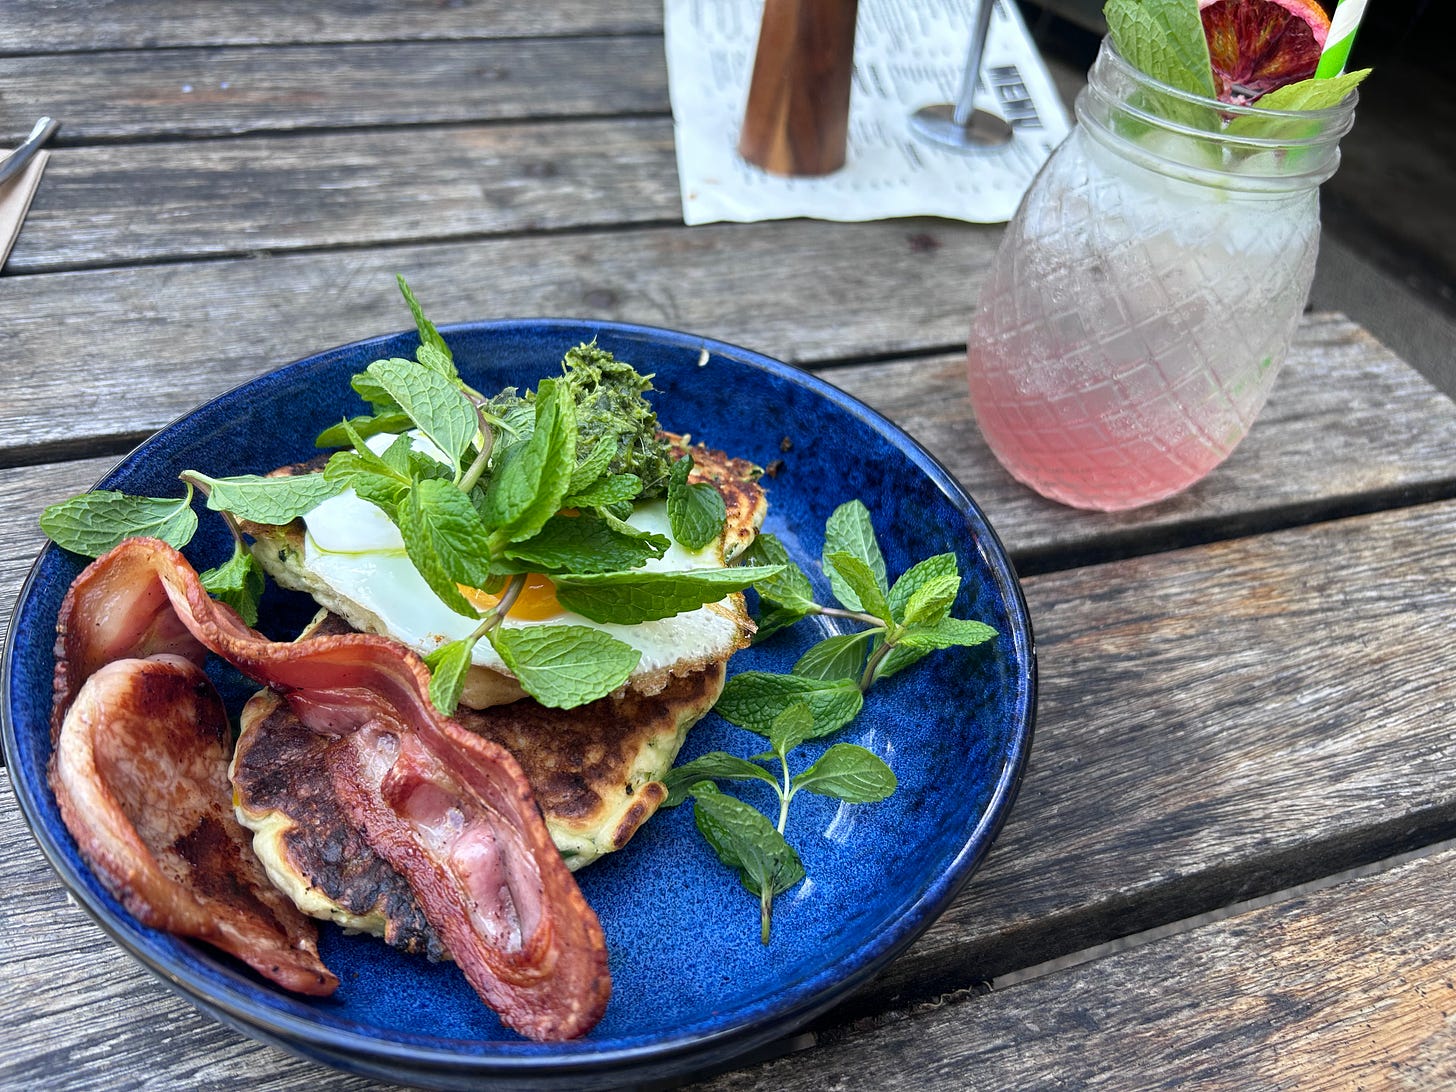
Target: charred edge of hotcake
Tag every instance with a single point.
(312, 851)
(597, 769)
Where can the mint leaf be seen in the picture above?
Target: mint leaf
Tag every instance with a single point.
(564, 666)
(1310, 94)
(922, 572)
(755, 699)
(848, 772)
(746, 841)
(849, 531)
(695, 511)
(898, 659)
(932, 600)
(584, 543)
(449, 664)
(946, 633)
(605, 492)
(594, 465)
(238, 582)
(528, 487)
(841, 656)
(640, 596)
(789, 588)
(791, 728)
(849, 575)
(714, 766)
(429, 336)
(95, 522)
(436, 404)
(446, 541)
(272, 501)
(1165, 39)
(338, 435)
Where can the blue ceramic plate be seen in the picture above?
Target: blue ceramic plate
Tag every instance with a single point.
(692, 984)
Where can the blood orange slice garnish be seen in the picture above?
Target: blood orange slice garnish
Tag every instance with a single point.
(1258, 45)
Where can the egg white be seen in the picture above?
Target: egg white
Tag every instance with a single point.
(355, 549)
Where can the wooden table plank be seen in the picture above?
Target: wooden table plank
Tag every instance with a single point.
(1194, 747)
(37, 26)
(802, 290)
(238, 197)
(1353, 987)
(166, 94)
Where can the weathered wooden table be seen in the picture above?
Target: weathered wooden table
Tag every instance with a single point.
(1227, 860)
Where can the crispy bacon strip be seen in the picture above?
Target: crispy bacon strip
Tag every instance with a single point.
(451, 811)
(140, 774)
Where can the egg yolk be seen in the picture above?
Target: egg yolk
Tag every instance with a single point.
(536, 601)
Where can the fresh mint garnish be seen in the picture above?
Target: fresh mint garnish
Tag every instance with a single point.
(695, 510)
(93, 523)
(1165, 40)
(640, 595)
(565, 666)
(824, 692)
(238, 582)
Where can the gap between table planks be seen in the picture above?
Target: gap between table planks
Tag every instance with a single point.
(1198, 765)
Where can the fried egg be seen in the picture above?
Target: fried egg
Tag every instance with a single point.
(352, 560)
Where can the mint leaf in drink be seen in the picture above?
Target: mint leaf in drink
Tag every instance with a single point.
(430, 338)
(755, 699)
(531, 482)
(841, 656)
(854, 581)
(271, 501)
(848, 772)
(1164, 39)
(448, 666)
(436, 404)
(849, 531)
(95, 522)
(584, 543)
(641, 596)
(714, 766)
(1313, 94)
(238, 582)
(446, 541)
(748, 843)
(695, 510)
(564, 666)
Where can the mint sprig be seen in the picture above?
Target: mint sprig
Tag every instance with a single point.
(902, 622)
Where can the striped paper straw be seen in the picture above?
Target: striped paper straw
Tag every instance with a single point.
(1340, 38)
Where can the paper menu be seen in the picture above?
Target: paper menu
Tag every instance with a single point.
(907, 53)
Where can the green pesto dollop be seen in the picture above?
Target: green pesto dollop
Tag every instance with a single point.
(609, 402)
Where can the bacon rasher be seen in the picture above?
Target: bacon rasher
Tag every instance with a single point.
(451, 811)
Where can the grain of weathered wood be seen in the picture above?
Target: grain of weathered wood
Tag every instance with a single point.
(1353, 987)
(106, 1023)
(1194, 747)
(37, 26)
(211, 92)
(177, 334)
(111, 205)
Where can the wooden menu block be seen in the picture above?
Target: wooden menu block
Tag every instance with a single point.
(797, 119)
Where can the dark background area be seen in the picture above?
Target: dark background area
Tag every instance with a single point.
(1388, 254)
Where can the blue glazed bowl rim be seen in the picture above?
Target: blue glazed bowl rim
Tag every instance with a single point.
(803, 999)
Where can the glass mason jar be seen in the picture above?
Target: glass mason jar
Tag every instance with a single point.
(1146, 292)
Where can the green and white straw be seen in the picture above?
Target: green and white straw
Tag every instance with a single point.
(1340, 38)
